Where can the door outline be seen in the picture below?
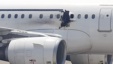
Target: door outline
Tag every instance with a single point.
(99, 20)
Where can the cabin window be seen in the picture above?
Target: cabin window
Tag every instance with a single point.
(16, 16)
(51, 16)
(9, 15)
(58, 16)
(86, 16)
(41, 16)
(79, 16)
(93, 16)
(2, 16)
(30, 15)
(107, 15)
(22, 16)
(72, 16)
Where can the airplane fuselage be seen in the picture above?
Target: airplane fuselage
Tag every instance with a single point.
(89, 32)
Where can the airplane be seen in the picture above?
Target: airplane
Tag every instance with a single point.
(45, 34)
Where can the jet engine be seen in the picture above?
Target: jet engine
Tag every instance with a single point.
(36, 50)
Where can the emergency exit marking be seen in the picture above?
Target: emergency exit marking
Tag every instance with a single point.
(32, 61)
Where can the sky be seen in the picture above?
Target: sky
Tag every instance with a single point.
(73, 2)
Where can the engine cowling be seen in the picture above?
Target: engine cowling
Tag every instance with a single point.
(37, 50)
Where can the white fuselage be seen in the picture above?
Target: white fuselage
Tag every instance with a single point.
(90, 31)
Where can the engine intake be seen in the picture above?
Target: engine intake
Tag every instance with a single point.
(38, 50)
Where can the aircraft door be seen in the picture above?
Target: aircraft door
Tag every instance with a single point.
(105, 20)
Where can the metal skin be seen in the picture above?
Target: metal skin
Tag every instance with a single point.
(39, 50)
(95, 34)
(89, 32)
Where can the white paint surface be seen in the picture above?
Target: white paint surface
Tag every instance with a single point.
(73, 2)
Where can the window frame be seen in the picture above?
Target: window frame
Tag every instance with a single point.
(86, 16)
(2, 16)
(41, 16)
(93, 16)
(16, 16)
(58, 16)
(9, 16)
(30, 16)
(22, 16)
(79, 16)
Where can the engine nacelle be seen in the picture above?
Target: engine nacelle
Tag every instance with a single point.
(37, 50)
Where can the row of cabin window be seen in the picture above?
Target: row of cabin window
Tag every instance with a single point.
(86, 16)
(15, 16)
(51, 16)
(30, 16)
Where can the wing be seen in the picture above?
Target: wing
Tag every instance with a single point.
(15, 33)
(9, 33)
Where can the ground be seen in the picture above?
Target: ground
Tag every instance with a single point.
(3, 62)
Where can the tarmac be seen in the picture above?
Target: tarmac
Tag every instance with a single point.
(4, 62)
